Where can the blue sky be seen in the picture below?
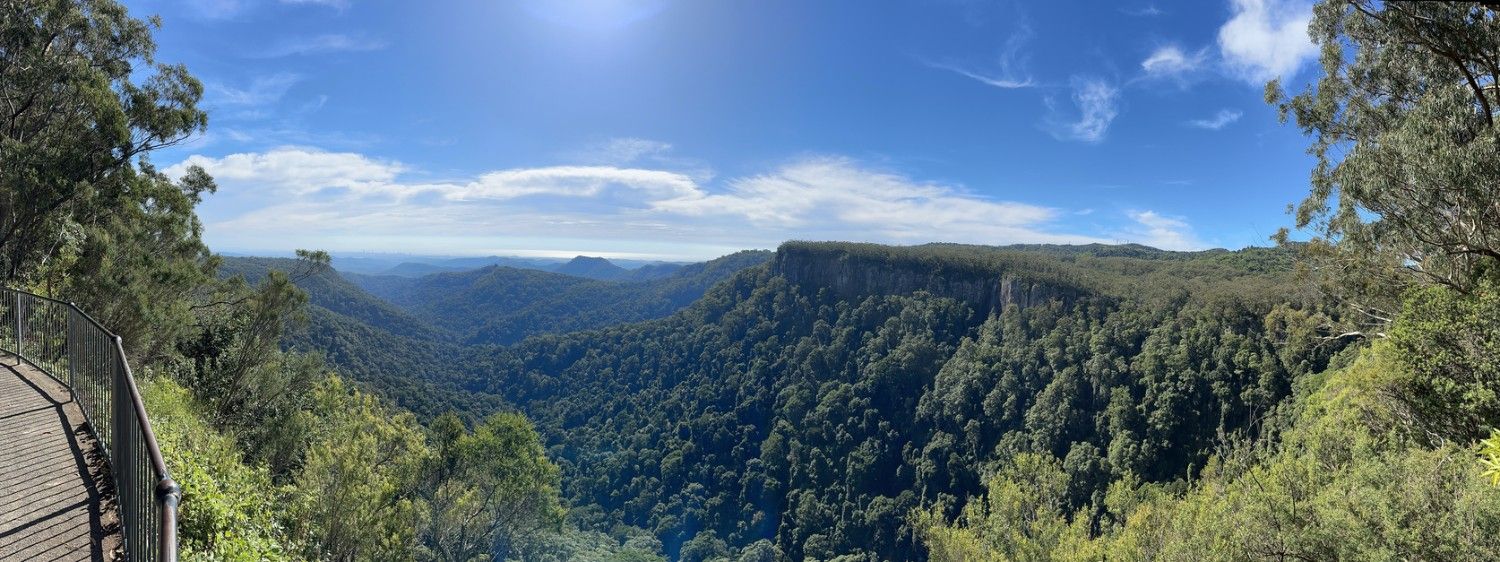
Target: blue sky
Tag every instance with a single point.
(682, 129)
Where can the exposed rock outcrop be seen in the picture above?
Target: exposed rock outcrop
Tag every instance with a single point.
(989, 290)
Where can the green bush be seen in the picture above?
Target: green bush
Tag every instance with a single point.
(229, 509)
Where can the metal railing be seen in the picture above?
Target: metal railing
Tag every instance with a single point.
(75, 350)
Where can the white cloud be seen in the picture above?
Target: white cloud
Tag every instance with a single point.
(1171, 60)
(1009, 72)
(300, 197)
(1220, 120)
(1096, 101)
(573, 181)
(261, 91)
(1160, 231)
(837, 194)
(1266, 39)
(327, 43)
(296, 171)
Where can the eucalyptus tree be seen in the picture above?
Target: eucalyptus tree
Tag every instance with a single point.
(82, 101)
(1406, 188)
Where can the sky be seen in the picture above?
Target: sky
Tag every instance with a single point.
(677, 129)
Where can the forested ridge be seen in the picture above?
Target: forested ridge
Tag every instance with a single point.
(1336, 397)
(502, 305)
(815, 402)
(412, 348)
(811, 404)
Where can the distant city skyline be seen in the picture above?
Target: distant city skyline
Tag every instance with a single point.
(672, 130)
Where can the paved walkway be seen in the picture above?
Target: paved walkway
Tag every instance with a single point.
(55, 502)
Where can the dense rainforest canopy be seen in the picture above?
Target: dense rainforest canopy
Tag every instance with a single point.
(1330, 399)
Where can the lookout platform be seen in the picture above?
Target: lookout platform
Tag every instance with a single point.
(57, 500)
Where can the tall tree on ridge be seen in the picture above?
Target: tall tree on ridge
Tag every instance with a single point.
(1407, 183)
(73, 122)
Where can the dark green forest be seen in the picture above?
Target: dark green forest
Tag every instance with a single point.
(1335, 397)
(810, 404)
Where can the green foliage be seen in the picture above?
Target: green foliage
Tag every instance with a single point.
(131, 267)
(1022, 516)
(368, 486)
(1341, 487)
(1449, 347)
(491, 492)
(356, 485)
(234, 366)
(1489, 457)
(219, 521)
(574, 545)
(1403, 127)
(87, 99)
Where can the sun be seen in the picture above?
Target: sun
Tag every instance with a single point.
(594, 14)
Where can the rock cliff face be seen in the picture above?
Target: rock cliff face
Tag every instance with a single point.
(853, 275)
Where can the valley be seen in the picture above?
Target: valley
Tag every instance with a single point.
(812, 399)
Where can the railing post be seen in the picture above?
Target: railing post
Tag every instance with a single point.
(168, 494)
(18, 325)
(70, 343)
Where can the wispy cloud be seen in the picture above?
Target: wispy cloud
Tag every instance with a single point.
(1172, 61)
(1220, 120)
(1147, 11)
(1161, 231)
(1096, 102)
(1266, 38)
(261, 91)
(573, 181)
(259, 131)
(1009, 69)
(314, 104)
(328, 43)
(289, 195)
(818, 192)
(339, 5)
(998, 81)
(214, 9)
(621, 150)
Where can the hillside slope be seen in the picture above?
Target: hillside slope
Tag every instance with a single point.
(502, 305)
(328, 290)
(592, 268)
(372, 341)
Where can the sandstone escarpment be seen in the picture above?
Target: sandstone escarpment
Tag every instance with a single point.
(989, 288)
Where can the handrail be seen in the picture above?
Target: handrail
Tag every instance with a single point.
(78, 352)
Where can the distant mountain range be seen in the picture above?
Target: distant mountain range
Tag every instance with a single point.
(405, 265)
(501, 304)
